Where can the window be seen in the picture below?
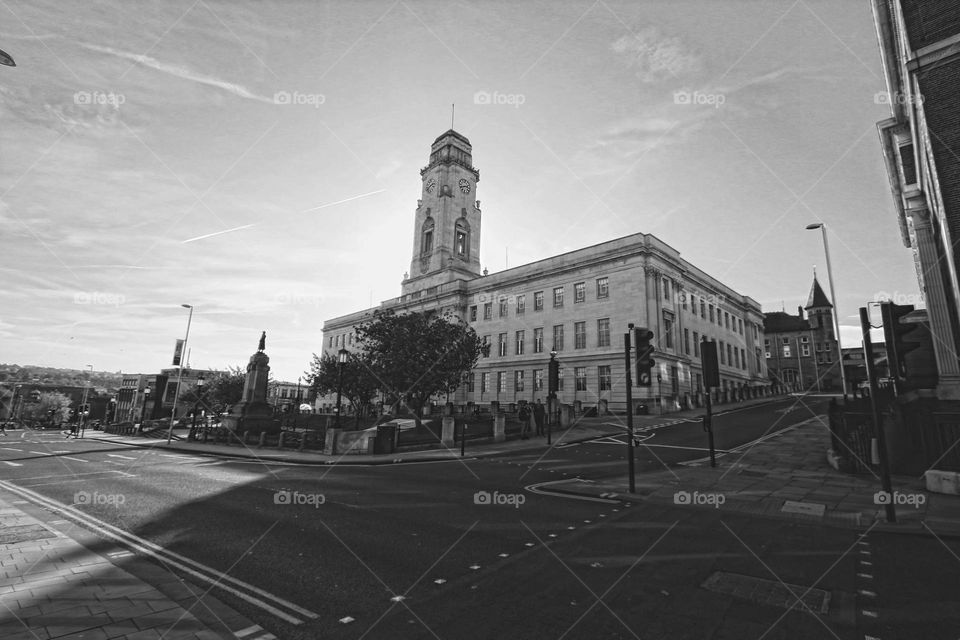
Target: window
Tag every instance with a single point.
(729, 354)
(521, 305)
(579, 335)
(538, 340)
(686, 341)
(703, 309)
(740, 322)
(711, 313)
(726, 319)
(603, 288)
(603, 332)
(666, 288)
(502, 339)
(580, 378)
(557, 297)
(330, 343)
(538, 380)
(471, 380)
(488, 311)
(579, 292)
(668, 329)
(603, 375)
(804, 339)
(486, 340)
(558, 337)
(722, 358)
(696, 344)
(518, 381)
(805, 350)
(520, 340)
(683, 299)
(538, 301)
(473, 313)
(426, 242)
(461, 244)
(766, 342)
(786, 351)
(786, 340)
(503, 307)
(484, 383)
(501, 382)
(736, 358)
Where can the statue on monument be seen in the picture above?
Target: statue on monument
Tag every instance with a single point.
(263, 342)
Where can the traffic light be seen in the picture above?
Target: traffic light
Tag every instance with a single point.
(711, 369)
(553, 375)
(642, 340)
(899, 338)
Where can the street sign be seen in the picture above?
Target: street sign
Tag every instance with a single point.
(178, 353)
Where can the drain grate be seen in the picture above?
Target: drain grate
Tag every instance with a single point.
(769, 592)
(23, 533)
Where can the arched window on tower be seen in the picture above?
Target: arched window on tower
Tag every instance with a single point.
(426, 236)
(462, 239)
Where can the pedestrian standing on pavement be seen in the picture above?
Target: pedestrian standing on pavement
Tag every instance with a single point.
(539, 413)
(524, 416)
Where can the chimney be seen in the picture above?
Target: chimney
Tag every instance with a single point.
(800, 311)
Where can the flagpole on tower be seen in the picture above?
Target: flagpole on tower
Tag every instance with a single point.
(453, 109)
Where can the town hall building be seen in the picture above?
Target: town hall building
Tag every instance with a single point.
(578, 304)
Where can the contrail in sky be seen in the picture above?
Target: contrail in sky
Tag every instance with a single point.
(362, 195)
(217, 233)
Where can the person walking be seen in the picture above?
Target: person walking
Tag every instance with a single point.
(539, 415)
(524, 416)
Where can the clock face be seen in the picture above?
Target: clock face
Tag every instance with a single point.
(431, 185)
(464, 185)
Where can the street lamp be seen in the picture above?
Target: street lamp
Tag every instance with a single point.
(341, 358)
(833, 298)
(176, 394)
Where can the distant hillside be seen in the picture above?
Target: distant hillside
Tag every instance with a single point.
(14, 373)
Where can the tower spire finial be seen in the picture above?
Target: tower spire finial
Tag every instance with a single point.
(453, 108)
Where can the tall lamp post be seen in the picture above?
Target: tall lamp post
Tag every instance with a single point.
(341, 359)
(82, 425)
(833, 299)
(176, 394)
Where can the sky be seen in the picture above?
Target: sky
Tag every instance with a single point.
(260, 160)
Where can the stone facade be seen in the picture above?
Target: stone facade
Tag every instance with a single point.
(921, 60)
(579, 304)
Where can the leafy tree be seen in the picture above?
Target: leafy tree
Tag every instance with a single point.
(359, 383)
(219, 392)
(419, 355)
(58, 403)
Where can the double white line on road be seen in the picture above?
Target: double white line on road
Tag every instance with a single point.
(282, 609)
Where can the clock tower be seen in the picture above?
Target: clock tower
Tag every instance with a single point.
(446, 232)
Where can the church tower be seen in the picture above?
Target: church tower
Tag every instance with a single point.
(446, 231)
(819, 310)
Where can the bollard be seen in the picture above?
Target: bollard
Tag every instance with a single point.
(280, 440)
(263, 438)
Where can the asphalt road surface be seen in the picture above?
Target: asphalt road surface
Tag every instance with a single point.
(460, 549)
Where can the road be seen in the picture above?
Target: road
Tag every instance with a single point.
(460, 549)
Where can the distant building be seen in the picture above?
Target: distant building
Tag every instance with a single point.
(578, 304)
(801, 351)
(285, 396)
(921, 60)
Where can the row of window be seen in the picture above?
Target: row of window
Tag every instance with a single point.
(821, 346)
(805, 352)
(340, 340)
(707, 310)
(579, 338)
(503, 301)
(604, 381)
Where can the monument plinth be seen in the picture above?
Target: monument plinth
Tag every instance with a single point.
(253, 413)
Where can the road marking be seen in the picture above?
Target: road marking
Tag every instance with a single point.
(9, 449)
(200, 571)
(117, 455)
(75, 459)
(41, 453)
(12, 464)
(536, 488)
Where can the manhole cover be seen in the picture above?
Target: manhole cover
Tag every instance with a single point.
(13, 535)
(769, 592)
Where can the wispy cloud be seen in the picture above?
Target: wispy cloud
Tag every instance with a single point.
(180, 72)
(656, 56)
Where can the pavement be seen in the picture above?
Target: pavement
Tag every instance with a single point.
(53, 586)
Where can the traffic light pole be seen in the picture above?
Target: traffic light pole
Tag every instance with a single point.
(630, 463)
(875, 410)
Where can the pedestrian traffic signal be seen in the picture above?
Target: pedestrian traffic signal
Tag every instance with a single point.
(553, 376)
(899, 338)
(711, 368)
(643, 339)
